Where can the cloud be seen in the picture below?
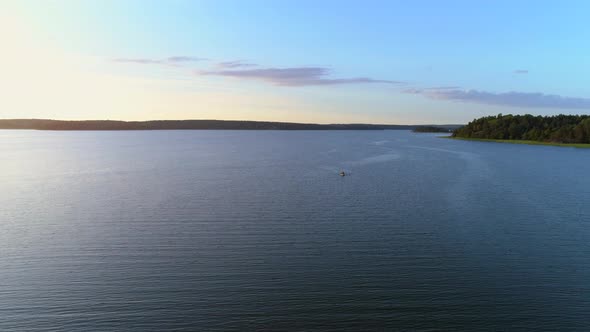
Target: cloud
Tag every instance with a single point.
(451, 87)
(177, 59)
(138, 60)
(515, 99)
(521, 71)
(295, 76)
(171, 61)
(235, 64)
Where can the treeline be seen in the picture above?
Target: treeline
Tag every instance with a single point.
(39, 124)
(431, 129)
(559, 128)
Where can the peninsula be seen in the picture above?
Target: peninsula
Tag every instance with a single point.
(562, 130)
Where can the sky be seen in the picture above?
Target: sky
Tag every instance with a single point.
(396, 62)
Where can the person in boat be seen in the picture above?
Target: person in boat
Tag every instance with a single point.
(342, 173)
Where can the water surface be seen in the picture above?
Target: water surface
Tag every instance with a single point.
(255, 230)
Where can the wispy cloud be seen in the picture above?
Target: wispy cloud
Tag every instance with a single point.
(178, 59)
(521, 71)
(295, 76)
(171, 61)
(142, 61)
(235, 64)
(448, 87)
(515, 99)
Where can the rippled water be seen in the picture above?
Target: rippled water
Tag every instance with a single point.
(255, 230)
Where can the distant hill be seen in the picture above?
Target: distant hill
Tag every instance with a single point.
(39, 124)
(558, 128)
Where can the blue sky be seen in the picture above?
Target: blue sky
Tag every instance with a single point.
(307, 61)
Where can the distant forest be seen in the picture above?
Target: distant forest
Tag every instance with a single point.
(431, 129)
(39, 124)
(559, 128)
(182, 125)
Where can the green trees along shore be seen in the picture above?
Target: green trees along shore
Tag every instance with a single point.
(553, 129)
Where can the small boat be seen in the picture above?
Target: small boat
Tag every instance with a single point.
(342, 173)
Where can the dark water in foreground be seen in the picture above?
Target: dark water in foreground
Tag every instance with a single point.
(234, 230)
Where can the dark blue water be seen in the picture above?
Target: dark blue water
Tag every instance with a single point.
(255, 230)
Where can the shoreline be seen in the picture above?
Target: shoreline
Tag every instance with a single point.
(512, 141)
(47, 124)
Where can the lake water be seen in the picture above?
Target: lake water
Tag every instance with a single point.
(255, 230)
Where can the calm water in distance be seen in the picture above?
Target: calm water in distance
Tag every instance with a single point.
(255, 230)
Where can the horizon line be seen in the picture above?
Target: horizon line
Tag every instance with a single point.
(233, 120)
